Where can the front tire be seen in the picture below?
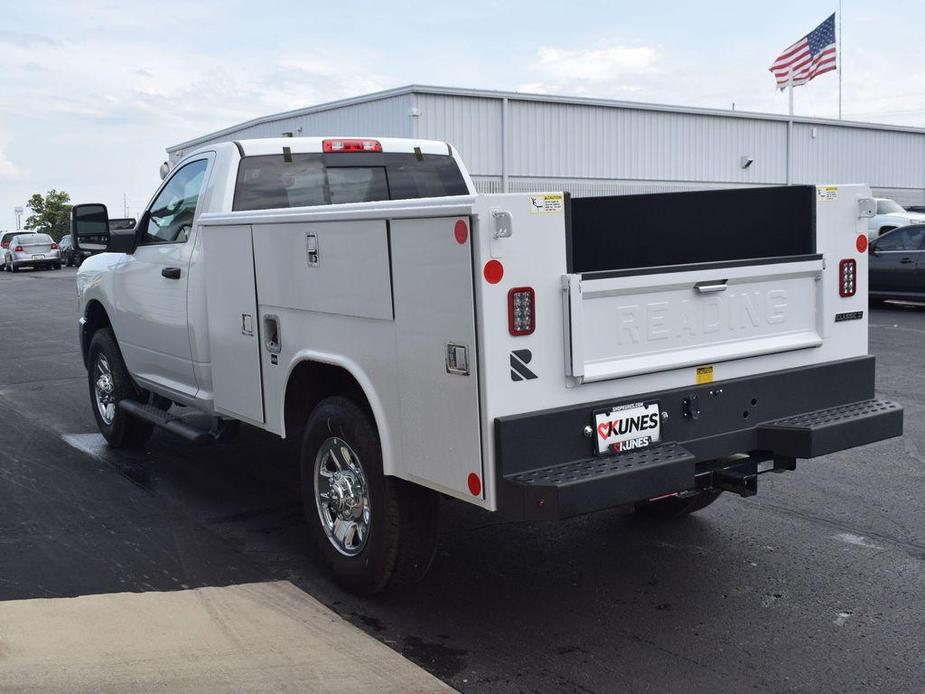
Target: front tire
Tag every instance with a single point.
(677, 507)
(375, 532)
(109, 383)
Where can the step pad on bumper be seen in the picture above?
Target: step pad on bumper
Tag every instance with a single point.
(567, 489)
(834, 429)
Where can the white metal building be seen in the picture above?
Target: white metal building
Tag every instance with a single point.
(525, 142)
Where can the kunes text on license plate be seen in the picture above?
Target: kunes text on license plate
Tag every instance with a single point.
(627, 427)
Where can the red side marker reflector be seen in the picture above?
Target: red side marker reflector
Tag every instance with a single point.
(493, 271)
(475, 484)
(862, 243)
(461, 232)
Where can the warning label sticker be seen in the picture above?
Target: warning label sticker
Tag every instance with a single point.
(550, 203)
(827, 192)
(704, 374)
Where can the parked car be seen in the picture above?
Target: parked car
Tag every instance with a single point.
(70, 256)
(28, 249)
(891, 215)
(896, 268)
(5, 238)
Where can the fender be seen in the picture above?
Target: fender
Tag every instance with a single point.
(369, 391)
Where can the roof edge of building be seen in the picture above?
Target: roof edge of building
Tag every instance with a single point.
(549, 98)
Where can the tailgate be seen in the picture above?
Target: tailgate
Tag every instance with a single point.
(624, 323)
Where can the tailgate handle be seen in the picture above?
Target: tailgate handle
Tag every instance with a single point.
(711, 286)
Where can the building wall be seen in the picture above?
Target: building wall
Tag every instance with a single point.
(599, 149)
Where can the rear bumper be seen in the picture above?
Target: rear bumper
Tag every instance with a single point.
(546, 467)
(31, 262)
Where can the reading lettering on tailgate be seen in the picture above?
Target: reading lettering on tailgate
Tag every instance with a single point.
(665, 319)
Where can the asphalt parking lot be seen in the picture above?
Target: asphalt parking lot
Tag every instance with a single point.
(815, 585)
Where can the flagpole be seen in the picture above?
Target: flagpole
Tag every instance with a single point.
(790, 94)
(839, 47)
(789, 127)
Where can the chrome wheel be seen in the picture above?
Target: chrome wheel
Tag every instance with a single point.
(103, 389)
(342, 496)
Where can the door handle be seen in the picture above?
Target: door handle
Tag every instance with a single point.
(711, 286)
(171, 273)
(906, 261)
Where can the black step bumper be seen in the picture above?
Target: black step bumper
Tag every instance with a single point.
(547, 470)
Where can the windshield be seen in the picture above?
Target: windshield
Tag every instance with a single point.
(33, 238)
(270, 181)
(889, 207)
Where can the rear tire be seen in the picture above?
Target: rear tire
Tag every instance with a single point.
(13, 267)
(110, 383)
(400, 537)
(677, 507)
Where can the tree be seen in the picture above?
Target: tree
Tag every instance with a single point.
(51, 214)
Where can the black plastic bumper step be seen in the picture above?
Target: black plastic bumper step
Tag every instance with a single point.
(169, 422)
(834, 429)
(568, 489)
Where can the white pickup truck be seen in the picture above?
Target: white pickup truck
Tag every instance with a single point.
(531, 354)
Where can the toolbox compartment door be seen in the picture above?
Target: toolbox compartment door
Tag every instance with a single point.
(234, 333)
(626, 323)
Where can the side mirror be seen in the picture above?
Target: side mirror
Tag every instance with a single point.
(91, 230)
(90, 227)
(874, 250)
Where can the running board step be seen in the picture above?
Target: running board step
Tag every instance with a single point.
(834, 429)
(176, 425)
(582, 486)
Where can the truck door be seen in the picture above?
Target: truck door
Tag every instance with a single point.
(150, 286)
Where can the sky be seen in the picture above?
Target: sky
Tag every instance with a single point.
(92, 92)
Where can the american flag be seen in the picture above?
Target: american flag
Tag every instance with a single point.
(812, 55)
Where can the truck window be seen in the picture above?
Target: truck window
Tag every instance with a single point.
(171, 215)
(357, 184)
(269, 181)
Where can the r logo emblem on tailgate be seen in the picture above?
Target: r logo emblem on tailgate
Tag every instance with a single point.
(519, 360)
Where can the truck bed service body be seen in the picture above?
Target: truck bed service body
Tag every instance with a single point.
(532, 354)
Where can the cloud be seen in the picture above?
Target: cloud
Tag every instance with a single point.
(596, 64)
(602, 70)
(9, 171)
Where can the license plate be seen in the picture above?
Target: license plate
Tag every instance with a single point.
(627, 427)
(38, 257)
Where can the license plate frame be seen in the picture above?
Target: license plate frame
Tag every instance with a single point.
(640, 421)
(38, 256)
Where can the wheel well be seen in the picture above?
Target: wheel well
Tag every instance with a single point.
(311, 382)
(95, 318)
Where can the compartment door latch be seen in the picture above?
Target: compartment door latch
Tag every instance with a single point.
(457, 359)
(311, 250)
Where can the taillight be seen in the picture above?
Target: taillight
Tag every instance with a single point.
(54, 246)
(18, 249)
(847, 277)
(4, 244)
(521, 311)
(351, 146)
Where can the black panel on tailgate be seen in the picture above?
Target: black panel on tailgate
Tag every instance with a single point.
(639, 231)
